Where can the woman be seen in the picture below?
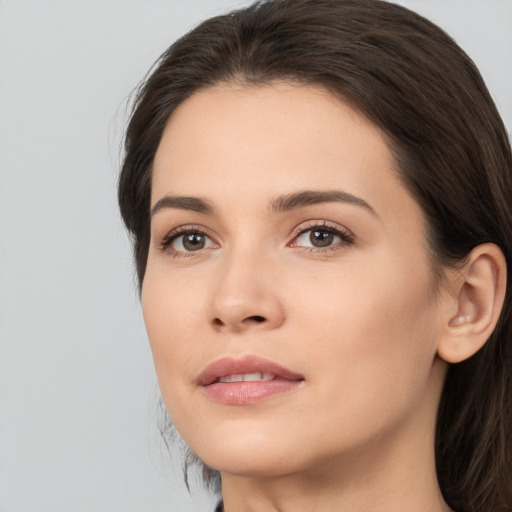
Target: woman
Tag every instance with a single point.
(319, 198)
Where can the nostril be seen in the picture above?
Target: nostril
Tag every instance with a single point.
(218, 323)
(256, 318)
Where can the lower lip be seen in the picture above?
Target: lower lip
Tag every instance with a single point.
(243, 393)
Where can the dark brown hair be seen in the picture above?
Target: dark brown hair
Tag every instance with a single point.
(452, 152)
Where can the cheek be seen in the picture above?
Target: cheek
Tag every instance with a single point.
(172, 312)
(373, 340)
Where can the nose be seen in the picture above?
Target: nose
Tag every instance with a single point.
(247, 295)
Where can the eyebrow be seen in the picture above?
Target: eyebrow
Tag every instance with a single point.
(280, 204)
(312, 197)
(194, 204)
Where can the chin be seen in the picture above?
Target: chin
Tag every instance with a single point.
(246, 453)
(257, 465)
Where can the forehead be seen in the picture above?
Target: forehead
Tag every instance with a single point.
(260, 141)
(276, 115)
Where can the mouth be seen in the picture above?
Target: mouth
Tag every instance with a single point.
(247, 380)
(247, 377)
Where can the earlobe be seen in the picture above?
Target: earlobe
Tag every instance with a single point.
(479, 290)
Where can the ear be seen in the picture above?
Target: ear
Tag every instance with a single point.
(478, 289)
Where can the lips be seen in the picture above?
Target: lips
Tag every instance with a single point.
(246, 380)
(247, 365)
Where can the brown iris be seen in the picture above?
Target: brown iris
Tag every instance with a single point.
(194, 241)
(321, 238)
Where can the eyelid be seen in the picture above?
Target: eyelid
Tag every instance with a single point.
(321, 225)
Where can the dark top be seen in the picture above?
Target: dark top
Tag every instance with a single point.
(220, 507)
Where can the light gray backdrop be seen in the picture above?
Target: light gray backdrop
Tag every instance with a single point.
(77, 388)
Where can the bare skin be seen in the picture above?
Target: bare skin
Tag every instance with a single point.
(337, 288)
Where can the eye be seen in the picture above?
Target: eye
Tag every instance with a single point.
(186, 241)
(323, 236)
(317, 238)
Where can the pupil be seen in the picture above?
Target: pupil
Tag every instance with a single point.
(193, 242)
(321, 238)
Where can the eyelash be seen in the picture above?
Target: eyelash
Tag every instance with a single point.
(345, 236)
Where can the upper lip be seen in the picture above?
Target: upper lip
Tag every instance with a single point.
(249, 364)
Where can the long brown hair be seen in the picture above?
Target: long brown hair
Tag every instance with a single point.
(452, 152)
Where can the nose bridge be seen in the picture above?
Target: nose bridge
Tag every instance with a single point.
(246, 294)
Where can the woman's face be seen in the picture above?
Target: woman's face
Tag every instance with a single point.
(288, 297)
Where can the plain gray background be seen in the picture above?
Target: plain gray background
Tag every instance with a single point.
(77, 387)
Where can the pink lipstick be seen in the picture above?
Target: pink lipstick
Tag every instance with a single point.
(247, 380)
